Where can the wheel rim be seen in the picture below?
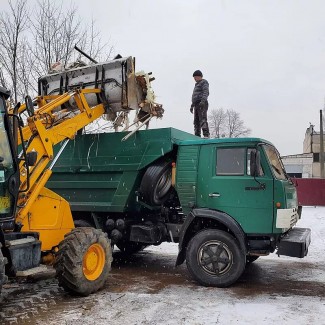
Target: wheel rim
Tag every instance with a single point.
(93, 262)
(215, 258)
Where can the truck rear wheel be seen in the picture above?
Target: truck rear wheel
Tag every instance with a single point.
(83, 261)
(3, 262)
(213, 258)
(156, 183)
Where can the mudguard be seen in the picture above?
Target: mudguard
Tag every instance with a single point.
(223, 218)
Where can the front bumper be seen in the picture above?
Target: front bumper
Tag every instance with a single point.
(295, 243)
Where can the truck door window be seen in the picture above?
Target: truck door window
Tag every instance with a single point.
(230, 161)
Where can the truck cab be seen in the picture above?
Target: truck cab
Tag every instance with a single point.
(222, 180)
(238, 187)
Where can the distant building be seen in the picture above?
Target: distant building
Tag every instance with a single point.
(305, 165)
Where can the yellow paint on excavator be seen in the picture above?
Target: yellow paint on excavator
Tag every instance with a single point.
(50, 215)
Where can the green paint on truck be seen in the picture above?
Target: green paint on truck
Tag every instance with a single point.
(225, 201)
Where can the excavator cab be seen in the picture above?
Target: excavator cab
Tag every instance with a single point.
(9, 173)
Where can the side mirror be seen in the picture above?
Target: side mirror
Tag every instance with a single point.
(255, 162)
(31, 158)
(29, 106)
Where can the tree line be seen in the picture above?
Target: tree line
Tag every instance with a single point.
(32, 39)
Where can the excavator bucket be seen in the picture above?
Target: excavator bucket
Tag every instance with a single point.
(122, 88)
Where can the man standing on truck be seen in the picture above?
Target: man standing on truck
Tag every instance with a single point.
(200, 105)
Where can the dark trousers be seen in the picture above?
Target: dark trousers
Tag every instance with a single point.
(201, 120)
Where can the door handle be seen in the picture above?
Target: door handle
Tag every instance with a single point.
(214, 194)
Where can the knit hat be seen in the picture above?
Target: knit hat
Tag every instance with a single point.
(197, 73)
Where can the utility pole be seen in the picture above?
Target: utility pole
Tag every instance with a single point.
(321, 150)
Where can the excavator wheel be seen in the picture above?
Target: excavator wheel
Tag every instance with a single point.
(83, 261)
(3, 262)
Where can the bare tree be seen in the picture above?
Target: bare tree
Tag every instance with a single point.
(12, 26)
(235, 125)
(217, 119)
(227, 124)
(93, 44)
(26, 67)
(30, 43)
(3, 81)
(55, 32)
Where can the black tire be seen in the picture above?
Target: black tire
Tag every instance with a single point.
(129, 248)
(71, 263)
(3, 262)
(251, 259)
(214, 258)
(156, 183)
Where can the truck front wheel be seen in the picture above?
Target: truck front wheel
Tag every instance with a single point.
(83, 261)
(213, 258)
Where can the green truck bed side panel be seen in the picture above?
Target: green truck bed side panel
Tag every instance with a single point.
(101, 173)
(186, 176)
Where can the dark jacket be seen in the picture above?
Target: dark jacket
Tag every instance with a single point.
(200, 92)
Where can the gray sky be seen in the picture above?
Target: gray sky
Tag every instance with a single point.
(262, 58)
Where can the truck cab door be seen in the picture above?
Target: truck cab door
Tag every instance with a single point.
(225, 184)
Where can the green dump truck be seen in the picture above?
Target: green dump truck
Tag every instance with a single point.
(225, 201)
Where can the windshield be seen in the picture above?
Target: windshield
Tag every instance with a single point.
(7, 168)
(275, 162)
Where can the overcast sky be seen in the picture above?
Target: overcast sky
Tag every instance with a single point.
(262, 58)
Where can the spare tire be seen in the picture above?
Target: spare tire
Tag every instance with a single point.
(156, 183)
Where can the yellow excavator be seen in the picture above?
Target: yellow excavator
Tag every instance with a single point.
(36, 224)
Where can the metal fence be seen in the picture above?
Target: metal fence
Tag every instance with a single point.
(311, 191)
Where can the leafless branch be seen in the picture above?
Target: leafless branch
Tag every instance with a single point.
(30, 43)
(12, 26)
(227, 124)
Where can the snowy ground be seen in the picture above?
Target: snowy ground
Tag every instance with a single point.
(149, 290)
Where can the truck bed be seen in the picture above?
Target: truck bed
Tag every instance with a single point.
(100, 173)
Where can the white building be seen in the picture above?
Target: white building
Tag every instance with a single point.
(305, 165)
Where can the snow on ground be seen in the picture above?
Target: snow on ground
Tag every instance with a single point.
(273, 291)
